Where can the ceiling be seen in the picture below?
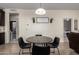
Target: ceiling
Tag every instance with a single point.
(48, 6)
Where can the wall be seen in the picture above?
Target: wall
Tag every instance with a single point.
(28, 28)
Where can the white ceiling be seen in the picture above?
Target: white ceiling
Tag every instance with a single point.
(48, 6)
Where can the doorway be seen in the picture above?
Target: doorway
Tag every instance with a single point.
(13, 27)
(67, 28)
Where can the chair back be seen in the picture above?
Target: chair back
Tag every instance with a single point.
(56, 42)
(21, 42)
(38, 35)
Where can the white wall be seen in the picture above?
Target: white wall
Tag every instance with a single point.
(28, 28)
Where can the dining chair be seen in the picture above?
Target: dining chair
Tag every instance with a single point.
(23, 45)
(55, 44)
(38, 35)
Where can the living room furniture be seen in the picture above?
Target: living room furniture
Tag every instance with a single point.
(2, 38)
(2, 18)
(55, 44)
(2, 25)
(23, 45)
(73, 41)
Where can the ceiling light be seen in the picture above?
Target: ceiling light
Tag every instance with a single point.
(40, 11)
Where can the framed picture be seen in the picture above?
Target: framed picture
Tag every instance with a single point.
(42, 20)
(75, 24)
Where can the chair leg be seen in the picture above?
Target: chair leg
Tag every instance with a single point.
(30, 50)
(19, 51)
(58, 51)
(53, 50)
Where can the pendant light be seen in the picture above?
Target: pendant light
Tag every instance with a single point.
(40, 11)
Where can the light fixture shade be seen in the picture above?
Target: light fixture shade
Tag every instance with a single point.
(40, 11)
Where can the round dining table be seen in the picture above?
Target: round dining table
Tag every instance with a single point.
(38, 41)
(44, 40)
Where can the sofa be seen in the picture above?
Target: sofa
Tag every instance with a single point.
(73, 41)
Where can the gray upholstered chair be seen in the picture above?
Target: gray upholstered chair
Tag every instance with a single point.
(55, 44)
(23, 45)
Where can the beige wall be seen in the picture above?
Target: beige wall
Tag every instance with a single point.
(28, 28)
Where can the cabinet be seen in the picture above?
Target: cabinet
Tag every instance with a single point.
(2, 38)
(2, 24)
(2, 17)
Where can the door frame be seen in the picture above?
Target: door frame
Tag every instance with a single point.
(17, 28)
(64, 35)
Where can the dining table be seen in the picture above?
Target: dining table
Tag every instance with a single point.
(44, 40)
